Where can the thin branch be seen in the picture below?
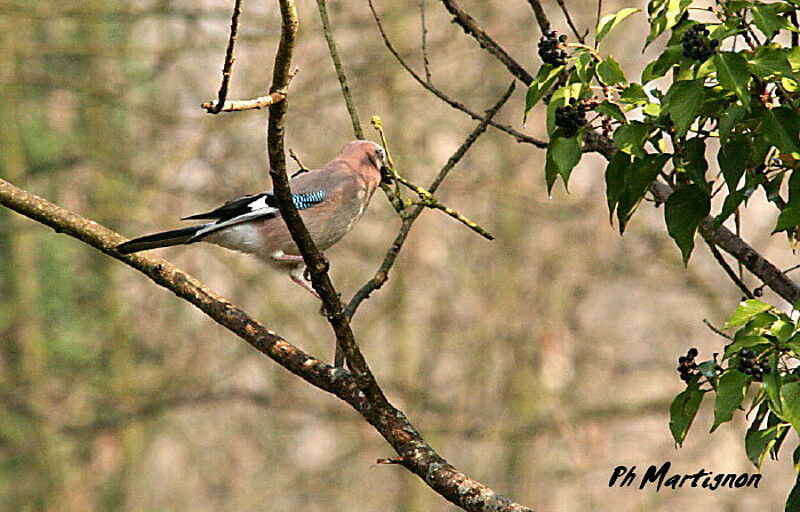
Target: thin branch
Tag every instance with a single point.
(471, 27)
(417, 454)
(728, 270)
(519, 136)
(715, 330)
(539, 14)
(228, 65)
(382, 274)
(426, 65)
(237, 105)
(572, 26)
(337, 64)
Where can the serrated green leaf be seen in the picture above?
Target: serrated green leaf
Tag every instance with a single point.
(790, 397)
(661, 66)
(684, 210)
(769, 62)
(634, 94)
(610, 72)
(695, 163)
(640, 175)
(741, 342)
(615, 179)
(683, 410)
(733, 155)
(565, 154)
(772, 385)
(730, 393)
(667, 18)
(541, 84)
(766, 18)
(584, 67)
(682, 102)
(611, 110)
(609, 21)
(630, 138)
(781, 127)
(733, 74)
(758, 442)
(745, 311)
(788, 219)
(730, 120)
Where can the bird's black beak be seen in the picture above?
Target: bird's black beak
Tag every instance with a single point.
(386, 175)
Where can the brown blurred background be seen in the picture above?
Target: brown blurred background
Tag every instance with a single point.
(535, 363)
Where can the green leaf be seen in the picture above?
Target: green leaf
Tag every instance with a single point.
(788, 219)
(584, 67)
(769, 62)
(682, 102)
(661, 66)
(696, 164)
(684, 210)
(640, 175)
(667, 18)
(609, 72)
(609, 21)
(630, 138)
(772, 385)
(731, 119)
(732, 202)
(565, 153)
(550, 174)
(780, 126)
(793, 501)
(611, 110)
(734, 152)
(634, 94)
(541, 84)
(746, 311)
(758, 442)
(790, 397)
(730, 393)
(733, 74)
(683, 410)
(615, 179)
(767, 19)
(741, 342)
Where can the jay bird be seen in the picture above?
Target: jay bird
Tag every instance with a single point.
(330, 200)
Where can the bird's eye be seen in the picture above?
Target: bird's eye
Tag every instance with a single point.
(381, 153)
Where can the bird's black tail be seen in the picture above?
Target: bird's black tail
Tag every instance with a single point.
(165, 239)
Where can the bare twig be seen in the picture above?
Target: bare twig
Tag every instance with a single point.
(715, 330)
(728, 270)
(426, 65)
(391, 423)
(572, 26)
(539, 14)
(382, 274)
(213, 107)
(520, 137)
(228, 65)
(337, 64)
(471, 27)
(302, 168)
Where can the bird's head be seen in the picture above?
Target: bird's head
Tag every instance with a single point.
(374, 153)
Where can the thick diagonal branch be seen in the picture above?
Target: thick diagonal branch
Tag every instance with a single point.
(416, 454)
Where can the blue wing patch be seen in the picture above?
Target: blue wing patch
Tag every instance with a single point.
(309, 199)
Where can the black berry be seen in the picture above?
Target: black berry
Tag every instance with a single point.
(687, 368)
(550, 48)
(696, 45)
(571, 117)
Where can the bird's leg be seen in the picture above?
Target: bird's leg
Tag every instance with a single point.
(297, 276)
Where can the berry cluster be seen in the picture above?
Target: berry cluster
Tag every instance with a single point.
(550, 48)
(687, 366)
(571, 117)
(749, 366)
(696, 44)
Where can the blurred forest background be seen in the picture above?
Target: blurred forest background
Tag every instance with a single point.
(535, 363)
